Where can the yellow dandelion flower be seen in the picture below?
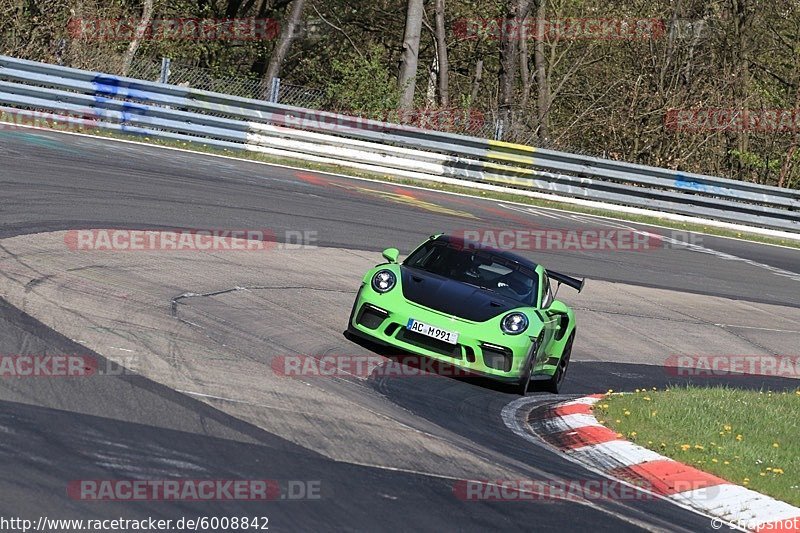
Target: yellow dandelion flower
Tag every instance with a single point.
(775, 445)
(647, 398)
(714, 460)
(777, 470)
(699, 447)
(726, 462)
(627, 413)
(685, 447)
(739, 437)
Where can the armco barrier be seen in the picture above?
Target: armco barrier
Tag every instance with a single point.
(183, 114)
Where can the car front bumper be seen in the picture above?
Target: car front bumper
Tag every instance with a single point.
(482, 349)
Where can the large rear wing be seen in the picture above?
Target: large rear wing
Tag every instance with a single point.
(575, 283)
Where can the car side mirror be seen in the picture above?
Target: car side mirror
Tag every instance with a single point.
(391, 254)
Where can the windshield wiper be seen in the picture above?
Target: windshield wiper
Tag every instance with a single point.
(479, 286)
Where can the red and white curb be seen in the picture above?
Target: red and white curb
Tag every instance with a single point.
(571, 428)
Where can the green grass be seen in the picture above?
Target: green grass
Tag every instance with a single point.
(495, 195)
(746, 437)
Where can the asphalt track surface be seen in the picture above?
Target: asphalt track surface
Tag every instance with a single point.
(142, 429)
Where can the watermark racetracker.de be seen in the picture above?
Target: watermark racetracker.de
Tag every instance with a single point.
(438, 119)
(188, 240)
(553, 29)
(732, 365)
(733, 119)
(600, 239)
(538, 490)
(362, 366)
(12, 119)
(174, 29)
(194, 489)
(63, 366)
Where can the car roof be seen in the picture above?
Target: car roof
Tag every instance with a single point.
(452, 239)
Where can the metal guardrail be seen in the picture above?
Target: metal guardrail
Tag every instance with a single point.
(191, 115)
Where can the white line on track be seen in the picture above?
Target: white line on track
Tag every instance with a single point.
(794, 276)
(754, 327)
(533, 211)
(590, 220)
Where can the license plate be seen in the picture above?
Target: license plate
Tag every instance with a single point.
(449, 337)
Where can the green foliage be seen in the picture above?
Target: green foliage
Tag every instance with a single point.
(364, 86)
(756, 162)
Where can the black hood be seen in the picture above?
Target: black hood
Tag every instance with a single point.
(453, 297)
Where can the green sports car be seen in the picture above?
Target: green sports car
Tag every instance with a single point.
(487, 311)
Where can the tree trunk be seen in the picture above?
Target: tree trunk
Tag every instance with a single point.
(509, 55)
(147, 16)
(476, 82)
(407, 77)
(542, 80)
(524, 71)
(441, 44)
(430, 94)
(742, 23)
(288, 31)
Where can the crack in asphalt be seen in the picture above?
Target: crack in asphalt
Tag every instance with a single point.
(176, 300)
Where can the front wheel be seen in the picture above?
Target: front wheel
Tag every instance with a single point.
(554, 383)
(525, 378)
(353, 310)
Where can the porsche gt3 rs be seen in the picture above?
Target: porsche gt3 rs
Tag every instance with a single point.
(487, 311)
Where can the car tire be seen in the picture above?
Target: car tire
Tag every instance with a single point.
(525, 379)
(554, 383)
(353, 309)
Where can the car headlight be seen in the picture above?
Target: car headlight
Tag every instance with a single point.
(384, 281)
(514, 323)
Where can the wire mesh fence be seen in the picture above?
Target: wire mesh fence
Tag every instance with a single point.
(464, 121)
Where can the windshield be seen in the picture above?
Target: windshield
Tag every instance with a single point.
(480, 268)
